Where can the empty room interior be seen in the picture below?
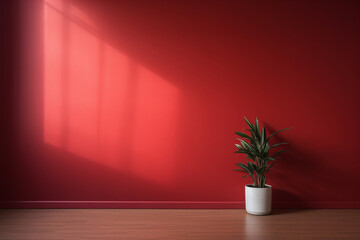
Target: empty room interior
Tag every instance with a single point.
(177, 119)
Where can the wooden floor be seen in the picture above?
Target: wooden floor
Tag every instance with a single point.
(177, 224)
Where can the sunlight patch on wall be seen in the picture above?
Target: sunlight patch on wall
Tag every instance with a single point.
(102, 105)
(53, 75)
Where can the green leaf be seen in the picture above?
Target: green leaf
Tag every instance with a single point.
(277, 132)
(240, 170)
(257, 129)
(244, 135)
(249, 124)
(270, 158)
(252, 166)
(269, 167)
(243, 166)
(275, 145)
(245, 176)
(261, 168)
(263, 136)
(250, 157)
(252, 129)
(278, 153)
(238, 146)
(246, 145)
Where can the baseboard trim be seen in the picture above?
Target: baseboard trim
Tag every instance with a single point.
(123, 204)
(170, 204)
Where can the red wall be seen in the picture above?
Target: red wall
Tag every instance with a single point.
(137, 101)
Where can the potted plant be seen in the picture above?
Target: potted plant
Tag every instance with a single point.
(257, 148)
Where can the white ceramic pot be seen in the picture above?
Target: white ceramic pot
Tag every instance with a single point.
(258, 200)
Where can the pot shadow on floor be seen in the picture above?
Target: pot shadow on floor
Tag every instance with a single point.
(292, 204)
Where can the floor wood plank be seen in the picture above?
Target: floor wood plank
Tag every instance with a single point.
(178, 224)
